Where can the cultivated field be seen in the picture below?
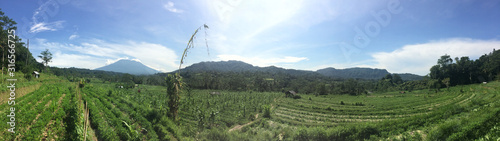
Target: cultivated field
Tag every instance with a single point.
(58, 110)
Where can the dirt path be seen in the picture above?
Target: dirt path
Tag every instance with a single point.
(238, 127)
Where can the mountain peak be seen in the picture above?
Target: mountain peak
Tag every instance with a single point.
(129, 66)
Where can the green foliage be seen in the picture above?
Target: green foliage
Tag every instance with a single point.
(466, 71)
(173, 90)
(81, 84)
(321, 89)
(215, 135)
(296, 96)
(46, 57)
(434, 84)
(397, 79)
(443, 131)
(342, 133)
(359, 104)
(28, 76)
(174, 83)
(267, 111)
(447, 115)
(23, 57)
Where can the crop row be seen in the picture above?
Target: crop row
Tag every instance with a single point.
(105, 118)
(309, 112)
(35, 111)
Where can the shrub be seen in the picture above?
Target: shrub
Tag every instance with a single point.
(267, 111)
(359, 104)
(329, 108)
(296, 97)
(28, 76)
(443, 131)
(217, 135)
(81, 84)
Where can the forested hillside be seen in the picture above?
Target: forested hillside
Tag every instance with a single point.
(24, 60)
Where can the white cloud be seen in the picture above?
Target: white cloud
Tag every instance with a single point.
(170, 7)
(74, 60)
(102, 53)
(111, 61)
(42, 26)
(419, 58)
(74, 36)
(262, 61)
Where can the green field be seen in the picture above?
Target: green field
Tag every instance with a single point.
(58, 110)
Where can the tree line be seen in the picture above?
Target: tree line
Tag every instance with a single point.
(463, 71)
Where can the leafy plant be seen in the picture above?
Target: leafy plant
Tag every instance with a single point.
(175, 83)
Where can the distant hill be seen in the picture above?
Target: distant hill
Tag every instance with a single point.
(221, 66)
(238, 66)
(409, 76)
(129, 66)
(363, 73)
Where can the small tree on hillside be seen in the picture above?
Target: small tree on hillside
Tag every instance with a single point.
(46, 57)
(446, 82)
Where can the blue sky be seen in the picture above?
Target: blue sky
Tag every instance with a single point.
(405, 36)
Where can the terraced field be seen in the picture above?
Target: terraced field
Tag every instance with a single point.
(40, 114)
(58, 110)
(328, 110)
(397, 113)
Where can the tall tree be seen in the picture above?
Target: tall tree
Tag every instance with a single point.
(6, 25)
(445, 60)
(46, 57)
(25, 62)
(397, 79)
(175, 83)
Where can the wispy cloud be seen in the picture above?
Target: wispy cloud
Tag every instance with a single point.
(74, 36)
(419, 58)
(102, 53)
(170, 6)
(42, 26)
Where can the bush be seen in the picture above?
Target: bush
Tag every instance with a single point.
(267, 111)
(28, 76)
(81, 84)
(329, 108)
(296, 96)
(217, 135)
(359, 104)
(443, 131)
